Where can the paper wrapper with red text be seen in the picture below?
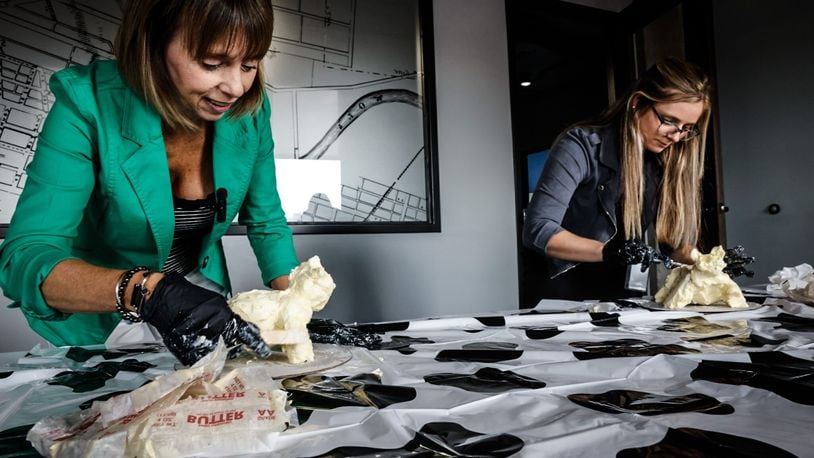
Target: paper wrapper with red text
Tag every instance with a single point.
(191, 411)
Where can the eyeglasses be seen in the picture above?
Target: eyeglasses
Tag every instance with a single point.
(670, 128)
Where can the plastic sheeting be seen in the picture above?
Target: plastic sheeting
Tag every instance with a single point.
(563, 379)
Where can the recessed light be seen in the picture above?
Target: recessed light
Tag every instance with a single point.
(525, 83)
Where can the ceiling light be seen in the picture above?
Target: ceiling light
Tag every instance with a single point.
(525, 83)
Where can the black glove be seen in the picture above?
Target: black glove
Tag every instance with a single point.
(632, 251)
(736, 260)
(190, 319)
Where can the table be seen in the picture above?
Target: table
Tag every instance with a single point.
(563, 379)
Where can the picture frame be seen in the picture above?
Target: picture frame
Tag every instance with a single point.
(352, 91)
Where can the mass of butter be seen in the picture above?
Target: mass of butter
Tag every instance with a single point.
(283, 316)
(703, 283)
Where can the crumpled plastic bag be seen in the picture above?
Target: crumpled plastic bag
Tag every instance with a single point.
(796, 283)
(192, 411)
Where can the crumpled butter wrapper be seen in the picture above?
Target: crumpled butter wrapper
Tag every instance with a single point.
(192, 411)
(796, 283)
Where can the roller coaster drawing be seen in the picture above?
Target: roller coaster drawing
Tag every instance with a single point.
(391, 204)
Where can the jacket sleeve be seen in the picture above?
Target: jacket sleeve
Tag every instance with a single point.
(262, 212)
(59, 182)
(566, 167)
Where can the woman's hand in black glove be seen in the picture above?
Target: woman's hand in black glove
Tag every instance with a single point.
(736, 261)
(190, 319)
(630, 252)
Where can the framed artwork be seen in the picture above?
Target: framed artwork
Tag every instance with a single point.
(352, 94)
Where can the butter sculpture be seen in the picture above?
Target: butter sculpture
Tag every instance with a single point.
(282, 316)
(703, 283)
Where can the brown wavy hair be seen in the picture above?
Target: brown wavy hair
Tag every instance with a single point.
(148, 26)
(679, 218)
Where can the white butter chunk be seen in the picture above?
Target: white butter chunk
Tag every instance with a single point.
(703, 283)
(282, 316)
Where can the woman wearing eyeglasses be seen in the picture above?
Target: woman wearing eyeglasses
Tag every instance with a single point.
(608, 179)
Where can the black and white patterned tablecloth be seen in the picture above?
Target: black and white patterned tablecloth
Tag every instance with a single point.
(563, 379)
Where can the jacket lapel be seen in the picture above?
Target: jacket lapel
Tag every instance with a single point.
(147, 170)
(609, 147)
(231, 165)
(608, 144)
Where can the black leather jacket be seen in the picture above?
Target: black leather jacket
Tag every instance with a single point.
(579, 190)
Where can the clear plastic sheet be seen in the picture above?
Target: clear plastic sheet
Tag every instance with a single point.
(177, 414)
(333, 332)
(326, 356)
(563, 379)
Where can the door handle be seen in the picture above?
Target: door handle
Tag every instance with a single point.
(773, 209)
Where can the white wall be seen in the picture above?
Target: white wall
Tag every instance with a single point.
(471, 266)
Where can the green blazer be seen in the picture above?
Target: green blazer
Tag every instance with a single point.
(98, 189)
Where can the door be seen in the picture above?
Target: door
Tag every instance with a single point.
(577, 59)
(561, 71)
(765, 70)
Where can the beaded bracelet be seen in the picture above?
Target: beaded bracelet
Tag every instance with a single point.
(121, 288)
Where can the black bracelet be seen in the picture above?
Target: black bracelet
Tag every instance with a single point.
(140, 294)
(121, 288)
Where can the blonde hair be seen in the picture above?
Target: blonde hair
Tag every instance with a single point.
(149, 26)
(679, 216)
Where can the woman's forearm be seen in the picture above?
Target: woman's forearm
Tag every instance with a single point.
(74, 286)
(280, 283)
(568, 246)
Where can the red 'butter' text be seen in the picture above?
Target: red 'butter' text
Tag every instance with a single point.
(220, 397)
(215, 419)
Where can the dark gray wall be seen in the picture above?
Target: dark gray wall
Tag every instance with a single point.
(765, 66)
(471, 266)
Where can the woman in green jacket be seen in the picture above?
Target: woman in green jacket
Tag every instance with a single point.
(141, 166)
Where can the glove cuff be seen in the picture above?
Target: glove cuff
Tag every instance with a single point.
(609, 249)
(132, 316)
